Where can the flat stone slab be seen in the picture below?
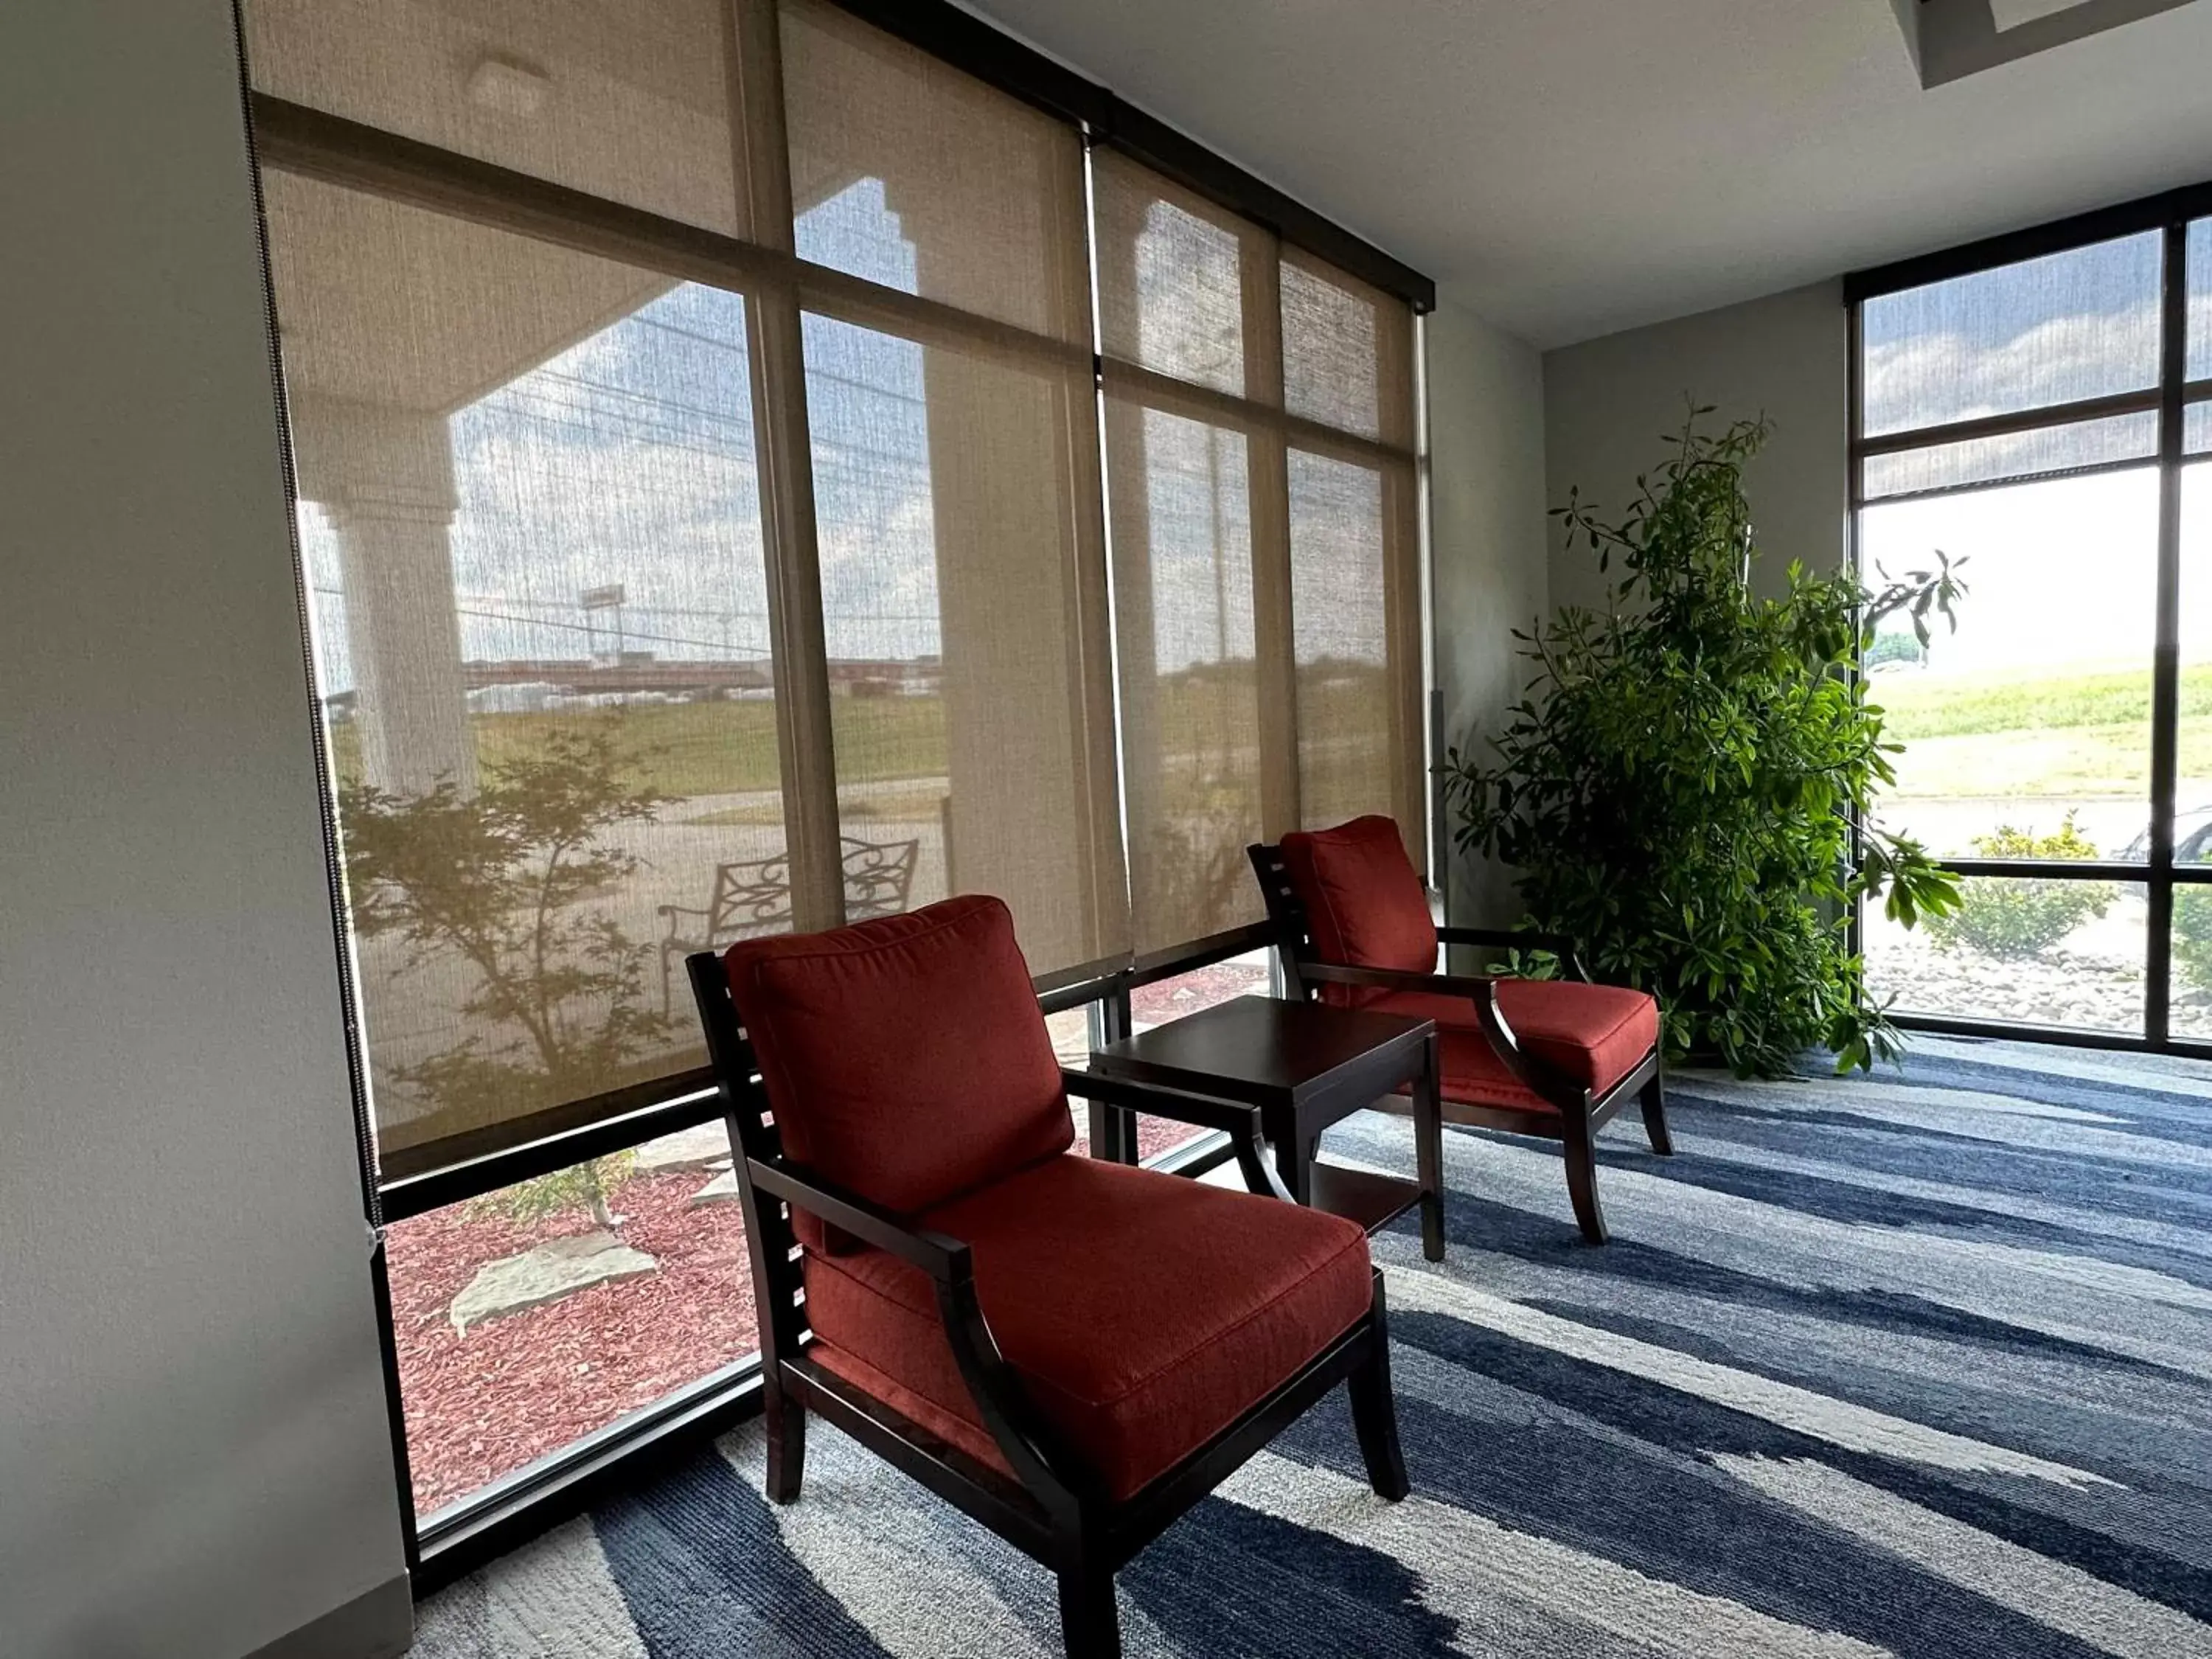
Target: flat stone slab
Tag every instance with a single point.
(516, 1283)
(722, 1189)
(700, 1147)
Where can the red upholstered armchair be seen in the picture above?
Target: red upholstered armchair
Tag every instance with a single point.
(1072, 1350)
(1556, 1058)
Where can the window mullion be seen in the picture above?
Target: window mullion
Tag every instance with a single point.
(2165, 662)
(1274, 636)
(784, 449)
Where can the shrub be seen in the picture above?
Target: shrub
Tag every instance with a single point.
(585, 1186)
(2192, 934)
(2015, 920)
(1897, 647)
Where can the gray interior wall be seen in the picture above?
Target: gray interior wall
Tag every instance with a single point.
(1488, 533)
(1609, 403)
(194, 1455)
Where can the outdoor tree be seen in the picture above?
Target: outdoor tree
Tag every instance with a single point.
(1685, 787)
(503, 879)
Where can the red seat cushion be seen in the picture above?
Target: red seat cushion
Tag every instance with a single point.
(1144, 1312)
(906, 1058)
(1595, 1034)
(1363, 901)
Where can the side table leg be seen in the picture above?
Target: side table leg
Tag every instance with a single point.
(1293, 1163)
(1429, 1152)
(1113, 1133)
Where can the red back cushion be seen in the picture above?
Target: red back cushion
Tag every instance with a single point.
(1363, 900)
(906, 1058)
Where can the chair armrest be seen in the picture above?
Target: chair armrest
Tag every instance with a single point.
(1480, 986)
(1203, 1111)
(1241, 1123)
(1519, 938)
(1032, 1447)
(670, 912)
(1481, 989)
(947, 1260)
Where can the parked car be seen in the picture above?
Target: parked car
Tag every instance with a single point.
(2192, 839)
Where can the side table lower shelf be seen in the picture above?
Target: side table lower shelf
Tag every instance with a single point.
(1365, 1196)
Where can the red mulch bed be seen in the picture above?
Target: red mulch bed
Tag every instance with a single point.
(481, 1406)
(1202, 987)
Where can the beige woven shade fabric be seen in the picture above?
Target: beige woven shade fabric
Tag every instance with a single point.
(1356, 606)
(1347, 353)
(1260, 469)
(528, 507)
(963, 605)
(671, 588)
(1181, 510)
(962, 549)
(629, 102)
(910, 174)
(1179, 283)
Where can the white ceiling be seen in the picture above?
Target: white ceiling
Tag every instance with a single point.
(1571, 168)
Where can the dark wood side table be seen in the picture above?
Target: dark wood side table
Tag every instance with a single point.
(1305, 1066)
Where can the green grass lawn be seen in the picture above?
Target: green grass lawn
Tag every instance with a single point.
(717, 748)
(684, 750)
(2082, 734)
(1930, 706)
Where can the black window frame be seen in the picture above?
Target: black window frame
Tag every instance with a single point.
(2169, 213)
(456, 1539)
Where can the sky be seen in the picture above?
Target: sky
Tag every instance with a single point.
(628, 459)
(2061, 571)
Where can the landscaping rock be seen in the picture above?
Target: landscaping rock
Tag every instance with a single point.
(561, 1268)
(722, 1189)
(2077, 989)
(701, 1148)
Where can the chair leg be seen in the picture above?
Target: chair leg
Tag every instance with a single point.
(1582, 1175)
(1090, 1623)
(1374, 1412)
(787, 1447)
(1654, 1096)
(1429, 1155)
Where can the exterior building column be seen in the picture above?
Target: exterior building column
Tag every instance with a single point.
(384, 477)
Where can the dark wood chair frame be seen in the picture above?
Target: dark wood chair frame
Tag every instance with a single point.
(1580, 1112)
(1054, 1508)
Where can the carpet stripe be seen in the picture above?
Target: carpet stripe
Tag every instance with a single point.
(1471, 1563)
(2061, 1596)
(1783, 1404)
(871, 1543)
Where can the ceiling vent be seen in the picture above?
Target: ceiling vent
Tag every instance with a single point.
(1950, 40)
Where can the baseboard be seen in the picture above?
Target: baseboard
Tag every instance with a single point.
(380, 1624)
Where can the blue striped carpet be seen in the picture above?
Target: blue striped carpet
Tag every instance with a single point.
(1917, 1364)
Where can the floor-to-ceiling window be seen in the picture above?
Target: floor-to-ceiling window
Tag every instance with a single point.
(703, 435)
(2039, 420)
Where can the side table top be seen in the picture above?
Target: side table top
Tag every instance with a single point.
(1266, 1044)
